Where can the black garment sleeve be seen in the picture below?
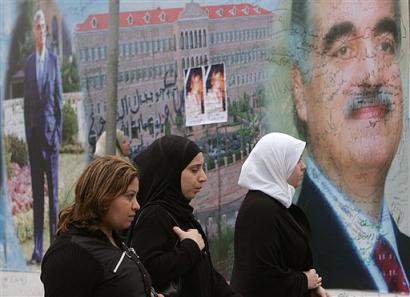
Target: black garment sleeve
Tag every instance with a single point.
(264, 246)
(69, 271)
(155, 242)
(221, 287)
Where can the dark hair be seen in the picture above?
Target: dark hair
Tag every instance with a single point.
(104, 179)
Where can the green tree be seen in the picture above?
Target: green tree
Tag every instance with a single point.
(70, 125)
(69, 73)
(22, 41)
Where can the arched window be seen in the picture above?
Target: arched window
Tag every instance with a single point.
(195, 39)
(191, 40)
(200, 38)
(181, 41)
(186, 40)
(204, 37)
(94, 23)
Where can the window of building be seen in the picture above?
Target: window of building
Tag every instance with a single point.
(220, 12)
(204, 37)
(94, 23)
(130, 20)
(162, 16)
(195, 39)
(186, 40)
(191, 40)
(172, 43)
(147, 18)
(126, 50)
(181, 41)
(200, 38)
(154, 46)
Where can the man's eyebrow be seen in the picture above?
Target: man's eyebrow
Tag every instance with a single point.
(387, 25)
(335, 32)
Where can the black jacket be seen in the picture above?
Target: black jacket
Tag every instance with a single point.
(166, 259)
(271, 249)
(85, 264)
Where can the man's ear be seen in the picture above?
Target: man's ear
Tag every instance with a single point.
(299, 93)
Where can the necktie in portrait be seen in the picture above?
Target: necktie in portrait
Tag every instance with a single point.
(386, 260)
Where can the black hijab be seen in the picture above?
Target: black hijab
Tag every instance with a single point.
(160, 167)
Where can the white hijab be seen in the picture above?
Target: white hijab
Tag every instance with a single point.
(269, 165)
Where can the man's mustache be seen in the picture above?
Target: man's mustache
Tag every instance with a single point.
(368, 97)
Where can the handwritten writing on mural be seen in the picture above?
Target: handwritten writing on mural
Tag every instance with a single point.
(138, 113)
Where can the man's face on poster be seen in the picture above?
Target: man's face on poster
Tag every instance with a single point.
(352, 103)
(40, 31)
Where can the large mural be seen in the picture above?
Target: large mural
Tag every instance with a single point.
(334, 73)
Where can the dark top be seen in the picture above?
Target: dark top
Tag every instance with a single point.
(161, 197)
(167, 259)
(271, 249)
(82, 264)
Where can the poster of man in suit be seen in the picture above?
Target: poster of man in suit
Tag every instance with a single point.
(350, 105)
(43, 104)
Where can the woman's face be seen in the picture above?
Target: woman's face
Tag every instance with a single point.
(122, 210)
(193, 177)
(296, 178)
(125, 146)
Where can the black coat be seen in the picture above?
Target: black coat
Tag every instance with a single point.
(271, 249)
(161, 197)
(166, 259)
(82, 264)
(333, 252)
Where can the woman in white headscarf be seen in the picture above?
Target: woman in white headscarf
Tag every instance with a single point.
(272, 252)
(122, 146)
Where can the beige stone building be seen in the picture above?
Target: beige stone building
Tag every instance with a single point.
(155, 46)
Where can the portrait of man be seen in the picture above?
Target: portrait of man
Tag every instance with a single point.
(348, 101)
(43, 103)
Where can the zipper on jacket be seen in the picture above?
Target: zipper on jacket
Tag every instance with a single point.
(119, 262)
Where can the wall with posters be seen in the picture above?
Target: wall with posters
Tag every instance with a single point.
(222, 74)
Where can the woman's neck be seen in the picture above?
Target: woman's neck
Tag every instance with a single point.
(108, 232)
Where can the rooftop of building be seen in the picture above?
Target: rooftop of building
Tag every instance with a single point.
(96, 22)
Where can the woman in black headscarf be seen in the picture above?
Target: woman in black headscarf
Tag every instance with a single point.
(174, 248)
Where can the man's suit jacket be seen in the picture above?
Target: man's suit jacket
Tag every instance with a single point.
(333, 253)
(43, 107)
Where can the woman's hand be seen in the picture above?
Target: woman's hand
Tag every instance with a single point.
(191, 234)
(320, 292)
(314, 280)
